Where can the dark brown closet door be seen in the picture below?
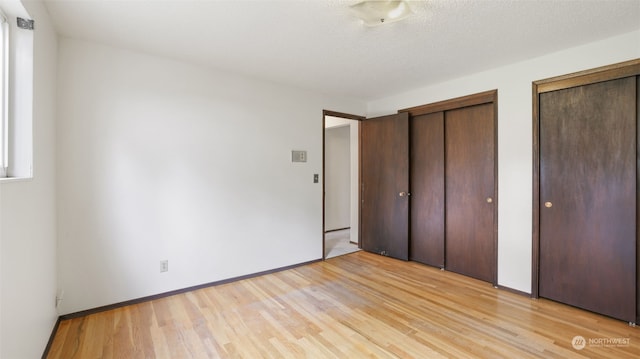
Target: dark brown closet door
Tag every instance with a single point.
(588, 197)
(469, 168)
(385, 184)
(427, 189)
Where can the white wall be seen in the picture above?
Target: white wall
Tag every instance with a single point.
(158, 159)
(28, 218)
(515, 135)
(354, 152)
(337, 206)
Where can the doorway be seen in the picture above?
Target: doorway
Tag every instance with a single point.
(340, 184)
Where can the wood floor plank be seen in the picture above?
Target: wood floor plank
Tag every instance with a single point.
(61, 335)
(357, 305)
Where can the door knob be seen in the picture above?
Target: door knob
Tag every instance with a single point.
(548, 204)
(404, 194)
(489, 200)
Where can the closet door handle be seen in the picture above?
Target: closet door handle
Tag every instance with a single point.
(489, 200)
(404, 194)
(548, 204)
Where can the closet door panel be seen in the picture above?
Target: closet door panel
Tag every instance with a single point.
(427, 189)
(385, 185)
(470, 186)
(588, 197)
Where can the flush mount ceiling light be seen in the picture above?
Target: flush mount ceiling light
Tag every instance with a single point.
(377, 12)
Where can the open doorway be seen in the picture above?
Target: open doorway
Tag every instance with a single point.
(341, 184)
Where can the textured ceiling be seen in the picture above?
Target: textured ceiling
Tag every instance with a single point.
(318, 45)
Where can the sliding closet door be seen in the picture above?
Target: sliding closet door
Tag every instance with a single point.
(385, 185)
(427, 189)
(588, 197)
(470, 187)
(453, 185)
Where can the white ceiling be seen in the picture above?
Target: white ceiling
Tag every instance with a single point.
(318, 45)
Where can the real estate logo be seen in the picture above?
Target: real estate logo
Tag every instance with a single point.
(578, 342)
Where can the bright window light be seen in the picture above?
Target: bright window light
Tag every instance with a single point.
(4, 95)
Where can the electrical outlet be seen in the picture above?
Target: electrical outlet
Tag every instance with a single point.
(164, 265)
(59, 297)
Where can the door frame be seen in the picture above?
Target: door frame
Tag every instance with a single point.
(587, 77)
(480, 98)
(347, 116)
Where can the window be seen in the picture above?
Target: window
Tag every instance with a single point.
(4, 95)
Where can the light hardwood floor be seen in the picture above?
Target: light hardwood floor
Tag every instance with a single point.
(352, 306)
